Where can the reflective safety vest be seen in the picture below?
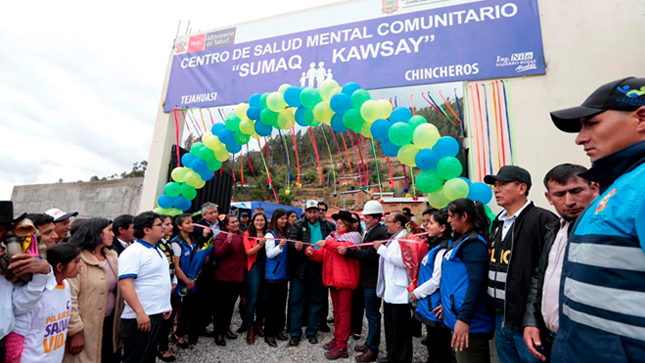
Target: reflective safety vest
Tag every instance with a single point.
(602, 290)
(426, 270)
(454, 284)
(277, 268)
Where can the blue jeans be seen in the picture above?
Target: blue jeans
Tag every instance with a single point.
(255, 294)
(510, 345)
(311, 289)
(373, 315)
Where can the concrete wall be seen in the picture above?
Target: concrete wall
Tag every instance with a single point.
(106, 199)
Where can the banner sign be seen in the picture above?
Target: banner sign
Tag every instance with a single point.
(481, 40)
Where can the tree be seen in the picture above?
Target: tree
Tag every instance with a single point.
(138, 170)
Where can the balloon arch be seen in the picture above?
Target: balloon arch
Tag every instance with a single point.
(408, 137)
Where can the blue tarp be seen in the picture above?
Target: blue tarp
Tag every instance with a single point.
(268, 207)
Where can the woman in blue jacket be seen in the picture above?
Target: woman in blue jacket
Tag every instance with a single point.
(428, 294)
(277, 277)
(464, 281)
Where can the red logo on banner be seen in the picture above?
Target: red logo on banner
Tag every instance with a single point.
(196, 43)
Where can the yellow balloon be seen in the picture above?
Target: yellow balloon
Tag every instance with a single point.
(327, 89)
(407, 153)
(425, 136)
(247, 126)
(200, 185)
(212, 142)
(366, 129)
(283, 88)
(385, 108)
(323, 112)
(286, 120)
(221, 154)
(256, 136)
(240, 110)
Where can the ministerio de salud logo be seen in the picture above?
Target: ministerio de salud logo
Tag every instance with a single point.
(390, 6)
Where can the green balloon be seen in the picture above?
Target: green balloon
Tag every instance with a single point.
(242, 138)
(207, 154)
(428, 182)
(438, 199)
(400, 134)
(359, 97)
(263, 99)
(449, 167)
(268, 117)
(310, 120)
(172, 189)
(353, 120)
(198, 149)
(455, 189)
(416, 121)
(188, 192)
(174, 212)
(232, 122)
(309, 97)
(214, 164)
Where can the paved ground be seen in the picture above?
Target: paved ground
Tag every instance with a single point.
(239, 351)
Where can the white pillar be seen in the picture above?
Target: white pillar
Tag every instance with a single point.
(162, 139)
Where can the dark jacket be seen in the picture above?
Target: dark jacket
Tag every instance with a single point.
(298, 260)
(117, 246)
(198, 232)
(529, 232)
(368, 257)
(533, 316)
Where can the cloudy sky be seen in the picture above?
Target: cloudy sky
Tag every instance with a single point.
(80, 83)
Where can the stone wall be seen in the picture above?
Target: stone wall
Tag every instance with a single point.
(106, 199)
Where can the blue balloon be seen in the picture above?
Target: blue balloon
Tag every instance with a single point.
(182, 203)
(480, 192)
(233, 147)
(300, 116)
(253, 113)
(263, 129)
(207, 175)
(340, 102)
(187, 159)
(426, 160)
(226, 137)
(400, 114)
(292, 96)
(380, 129)
(217, 128)
(254, 100)
(350, 87)
(389, 149)
(337, 123)
(199, 165)
(164, 201)
(446, 146)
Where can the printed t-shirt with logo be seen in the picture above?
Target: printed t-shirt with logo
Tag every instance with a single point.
(149, 269)
(45, 327)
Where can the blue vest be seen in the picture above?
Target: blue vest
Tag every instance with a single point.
(426, 270)
(602, 290)
(277, 268)
(185, 260)
(454, 284)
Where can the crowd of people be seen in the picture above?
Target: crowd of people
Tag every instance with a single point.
(546, 287)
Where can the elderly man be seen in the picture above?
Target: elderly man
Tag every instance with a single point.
(603, 275)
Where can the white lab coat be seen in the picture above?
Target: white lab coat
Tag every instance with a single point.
(393, 280)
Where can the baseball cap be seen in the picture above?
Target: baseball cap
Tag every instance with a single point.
(510, 173)
(59, 215)
(625, 94)
(311, 204)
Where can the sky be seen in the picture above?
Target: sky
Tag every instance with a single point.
(80, 83)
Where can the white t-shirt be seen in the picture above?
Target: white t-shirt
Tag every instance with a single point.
(45, 327)
(149, 268)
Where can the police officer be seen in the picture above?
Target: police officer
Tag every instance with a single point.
(602, 317)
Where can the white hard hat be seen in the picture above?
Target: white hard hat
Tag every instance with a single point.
(373, 207)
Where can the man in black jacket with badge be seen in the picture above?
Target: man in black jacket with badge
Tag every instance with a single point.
(517, 240)
(369, 261)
